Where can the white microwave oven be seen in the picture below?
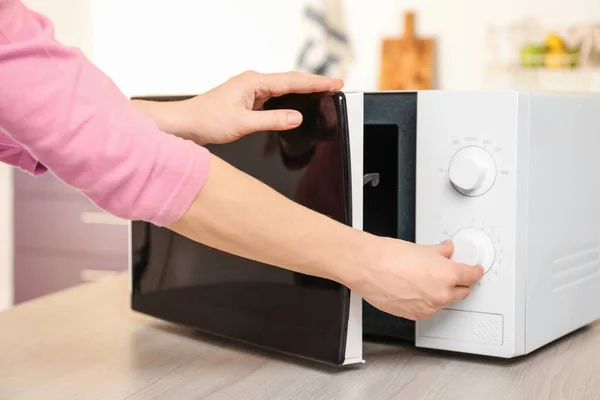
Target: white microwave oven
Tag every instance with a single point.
(510, 177)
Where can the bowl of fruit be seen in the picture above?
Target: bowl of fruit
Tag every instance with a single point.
(554, 54)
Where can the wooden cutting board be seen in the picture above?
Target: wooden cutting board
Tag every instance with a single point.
(407, 62)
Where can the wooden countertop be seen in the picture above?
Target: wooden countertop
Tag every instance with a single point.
(85, 343)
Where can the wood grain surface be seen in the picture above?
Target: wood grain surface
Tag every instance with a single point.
(407, 62)
(85, 343)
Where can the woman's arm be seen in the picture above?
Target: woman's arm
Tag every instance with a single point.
(66, 113)
(240, 215)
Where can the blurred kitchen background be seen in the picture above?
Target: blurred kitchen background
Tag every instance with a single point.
(52, 238)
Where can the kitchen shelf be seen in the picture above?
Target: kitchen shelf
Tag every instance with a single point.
(543, 79)
(503, 69)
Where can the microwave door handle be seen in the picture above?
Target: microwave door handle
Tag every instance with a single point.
(371, 179)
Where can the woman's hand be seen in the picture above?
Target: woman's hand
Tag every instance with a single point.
(231, 110)
(413, 281)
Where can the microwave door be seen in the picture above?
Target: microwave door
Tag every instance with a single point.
(184, 282)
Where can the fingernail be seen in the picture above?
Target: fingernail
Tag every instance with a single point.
(294, 118)
(337, 84)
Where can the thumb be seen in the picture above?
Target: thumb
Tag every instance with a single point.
(444, 249)
(272, 120)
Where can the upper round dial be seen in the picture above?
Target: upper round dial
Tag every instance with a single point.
(472, 171)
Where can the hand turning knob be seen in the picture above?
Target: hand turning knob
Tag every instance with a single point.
(473, 247)
(472, 171)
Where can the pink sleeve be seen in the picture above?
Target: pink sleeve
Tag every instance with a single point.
(71, 117)
(14, 154)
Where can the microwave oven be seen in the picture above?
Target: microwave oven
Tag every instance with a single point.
(510, 177)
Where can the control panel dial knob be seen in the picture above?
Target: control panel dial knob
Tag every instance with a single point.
(473, 247)
(472, 171)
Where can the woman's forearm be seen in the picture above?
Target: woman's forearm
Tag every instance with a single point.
(238, 214)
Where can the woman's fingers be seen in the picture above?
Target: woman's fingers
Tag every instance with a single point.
(272, 120)
(444, 249)
(461, 274)
(278, 84)
(467, 275)
(461, 293)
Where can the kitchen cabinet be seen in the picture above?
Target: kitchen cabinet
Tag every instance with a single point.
(61, 239)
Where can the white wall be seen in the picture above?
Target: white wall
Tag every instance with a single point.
(72, 21)
(73, 27)
(184, 46)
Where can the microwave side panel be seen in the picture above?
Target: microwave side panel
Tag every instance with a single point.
(563, 232)
(355, 110)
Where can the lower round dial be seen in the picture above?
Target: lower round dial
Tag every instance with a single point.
(473, 247)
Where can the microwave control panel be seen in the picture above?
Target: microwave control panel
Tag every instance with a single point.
(466, 192)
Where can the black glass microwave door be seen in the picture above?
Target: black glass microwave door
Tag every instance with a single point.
(185, 282)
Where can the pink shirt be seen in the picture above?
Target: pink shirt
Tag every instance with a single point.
(58, 112)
